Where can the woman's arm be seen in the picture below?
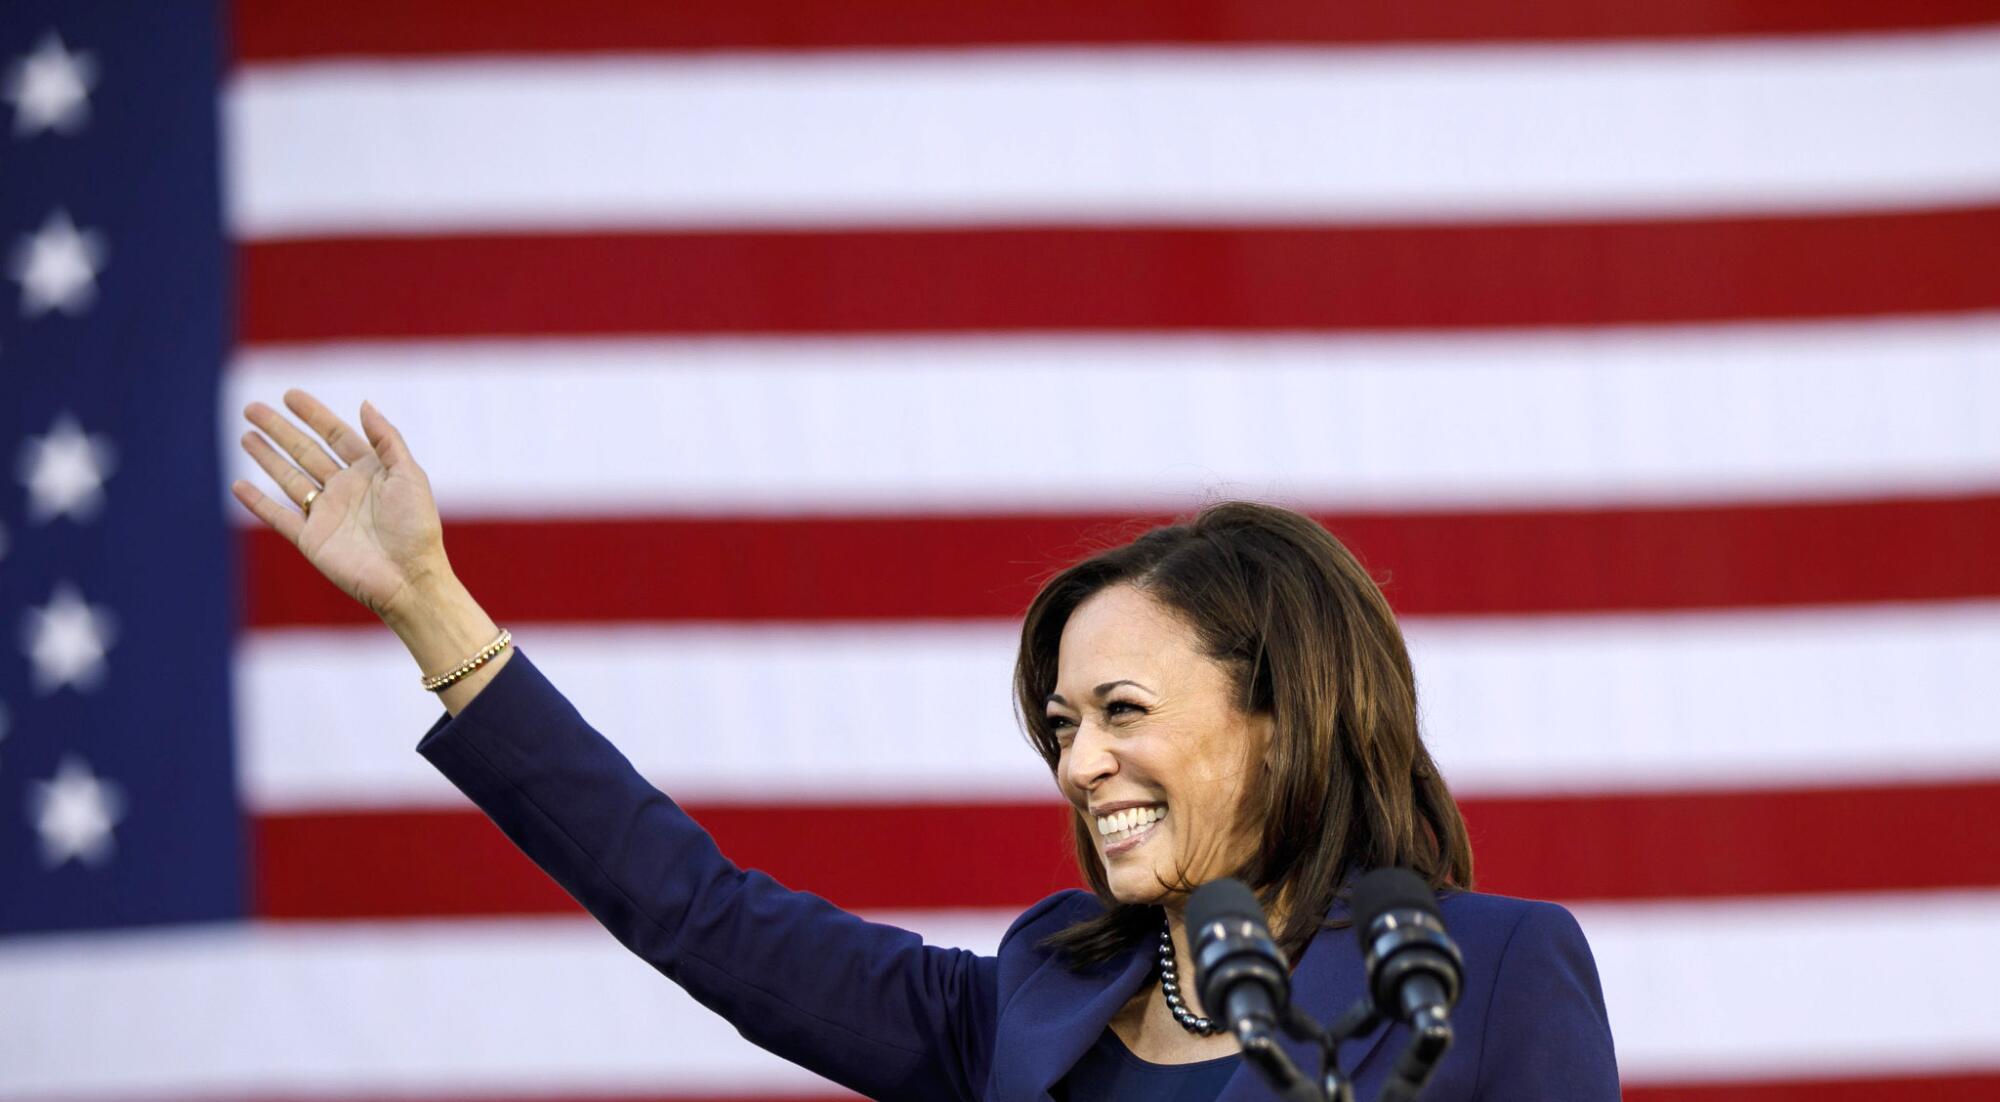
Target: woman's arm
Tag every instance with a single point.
(441, 624)
(867, 1005)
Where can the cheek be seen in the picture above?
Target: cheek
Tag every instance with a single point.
(1207, 813)
(1216, 794)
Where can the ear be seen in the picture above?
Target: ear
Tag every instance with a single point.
(1263, 730)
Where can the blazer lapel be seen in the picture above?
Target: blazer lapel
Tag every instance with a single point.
(1059, 1013)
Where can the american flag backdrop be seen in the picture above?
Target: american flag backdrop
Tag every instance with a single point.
(764, 354)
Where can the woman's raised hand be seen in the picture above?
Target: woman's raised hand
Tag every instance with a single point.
(373, 529)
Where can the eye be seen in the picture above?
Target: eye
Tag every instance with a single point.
(1124, 707)
(1062, 727)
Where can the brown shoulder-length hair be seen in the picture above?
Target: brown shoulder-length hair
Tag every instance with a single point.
(1311, 643)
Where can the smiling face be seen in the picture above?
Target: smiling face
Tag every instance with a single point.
(1155, 749)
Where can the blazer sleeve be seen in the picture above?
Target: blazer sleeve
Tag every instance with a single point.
(866, 1005)
(1547, 1034)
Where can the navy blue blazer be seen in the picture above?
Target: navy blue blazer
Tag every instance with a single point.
(873, 1008)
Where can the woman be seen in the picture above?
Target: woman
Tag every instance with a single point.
(1225, 697)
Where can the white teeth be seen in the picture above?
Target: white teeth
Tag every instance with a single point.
(1130, 820)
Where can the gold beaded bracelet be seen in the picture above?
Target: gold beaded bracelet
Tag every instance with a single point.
(444, 680)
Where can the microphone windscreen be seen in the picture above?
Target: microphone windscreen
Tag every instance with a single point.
(1225, 898)
(1386, 890)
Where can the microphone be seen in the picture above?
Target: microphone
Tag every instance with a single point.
(1243, 980)
(1415, 970)
(1239, 971)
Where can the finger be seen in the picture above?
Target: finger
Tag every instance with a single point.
(303, 449)
(288, 523)
(347, 444)
(387, 438)
(289, 478)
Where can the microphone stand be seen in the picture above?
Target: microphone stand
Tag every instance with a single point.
(1359, 1019)
(1261, 1049)
(1431, 1037)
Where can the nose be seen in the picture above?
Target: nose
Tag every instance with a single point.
(1089, 760)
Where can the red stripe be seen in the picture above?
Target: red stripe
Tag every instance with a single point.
(864, 856)
(1737, 843)
(1326, 278)
(272, 30)
(328, 865)
(1982, 1087)
(928, 567)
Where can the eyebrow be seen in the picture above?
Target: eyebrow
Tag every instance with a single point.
(1057, 698)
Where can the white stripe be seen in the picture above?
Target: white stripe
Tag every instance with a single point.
(923, 713)
(330, 718)
(1696, 413)
(1090, 135)
(1823, 987)
(465, 1008)
(523, 1008)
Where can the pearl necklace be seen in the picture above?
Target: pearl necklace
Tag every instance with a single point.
(1199, 1026)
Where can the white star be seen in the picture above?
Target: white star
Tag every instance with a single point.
(51, 88)
(74, 813)
(57, 267)
(66, 640)
(64, 471)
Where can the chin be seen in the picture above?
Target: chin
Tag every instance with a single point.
(1142, 873)
(1136, 883)
(1133, 891)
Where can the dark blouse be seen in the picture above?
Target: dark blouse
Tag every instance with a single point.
(1109, 1072)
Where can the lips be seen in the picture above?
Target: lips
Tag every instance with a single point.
(1125, 828)
(1113, 849)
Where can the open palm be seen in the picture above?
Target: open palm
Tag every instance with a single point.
(373, 526)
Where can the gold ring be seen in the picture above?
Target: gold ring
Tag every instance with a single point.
(307, 504)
